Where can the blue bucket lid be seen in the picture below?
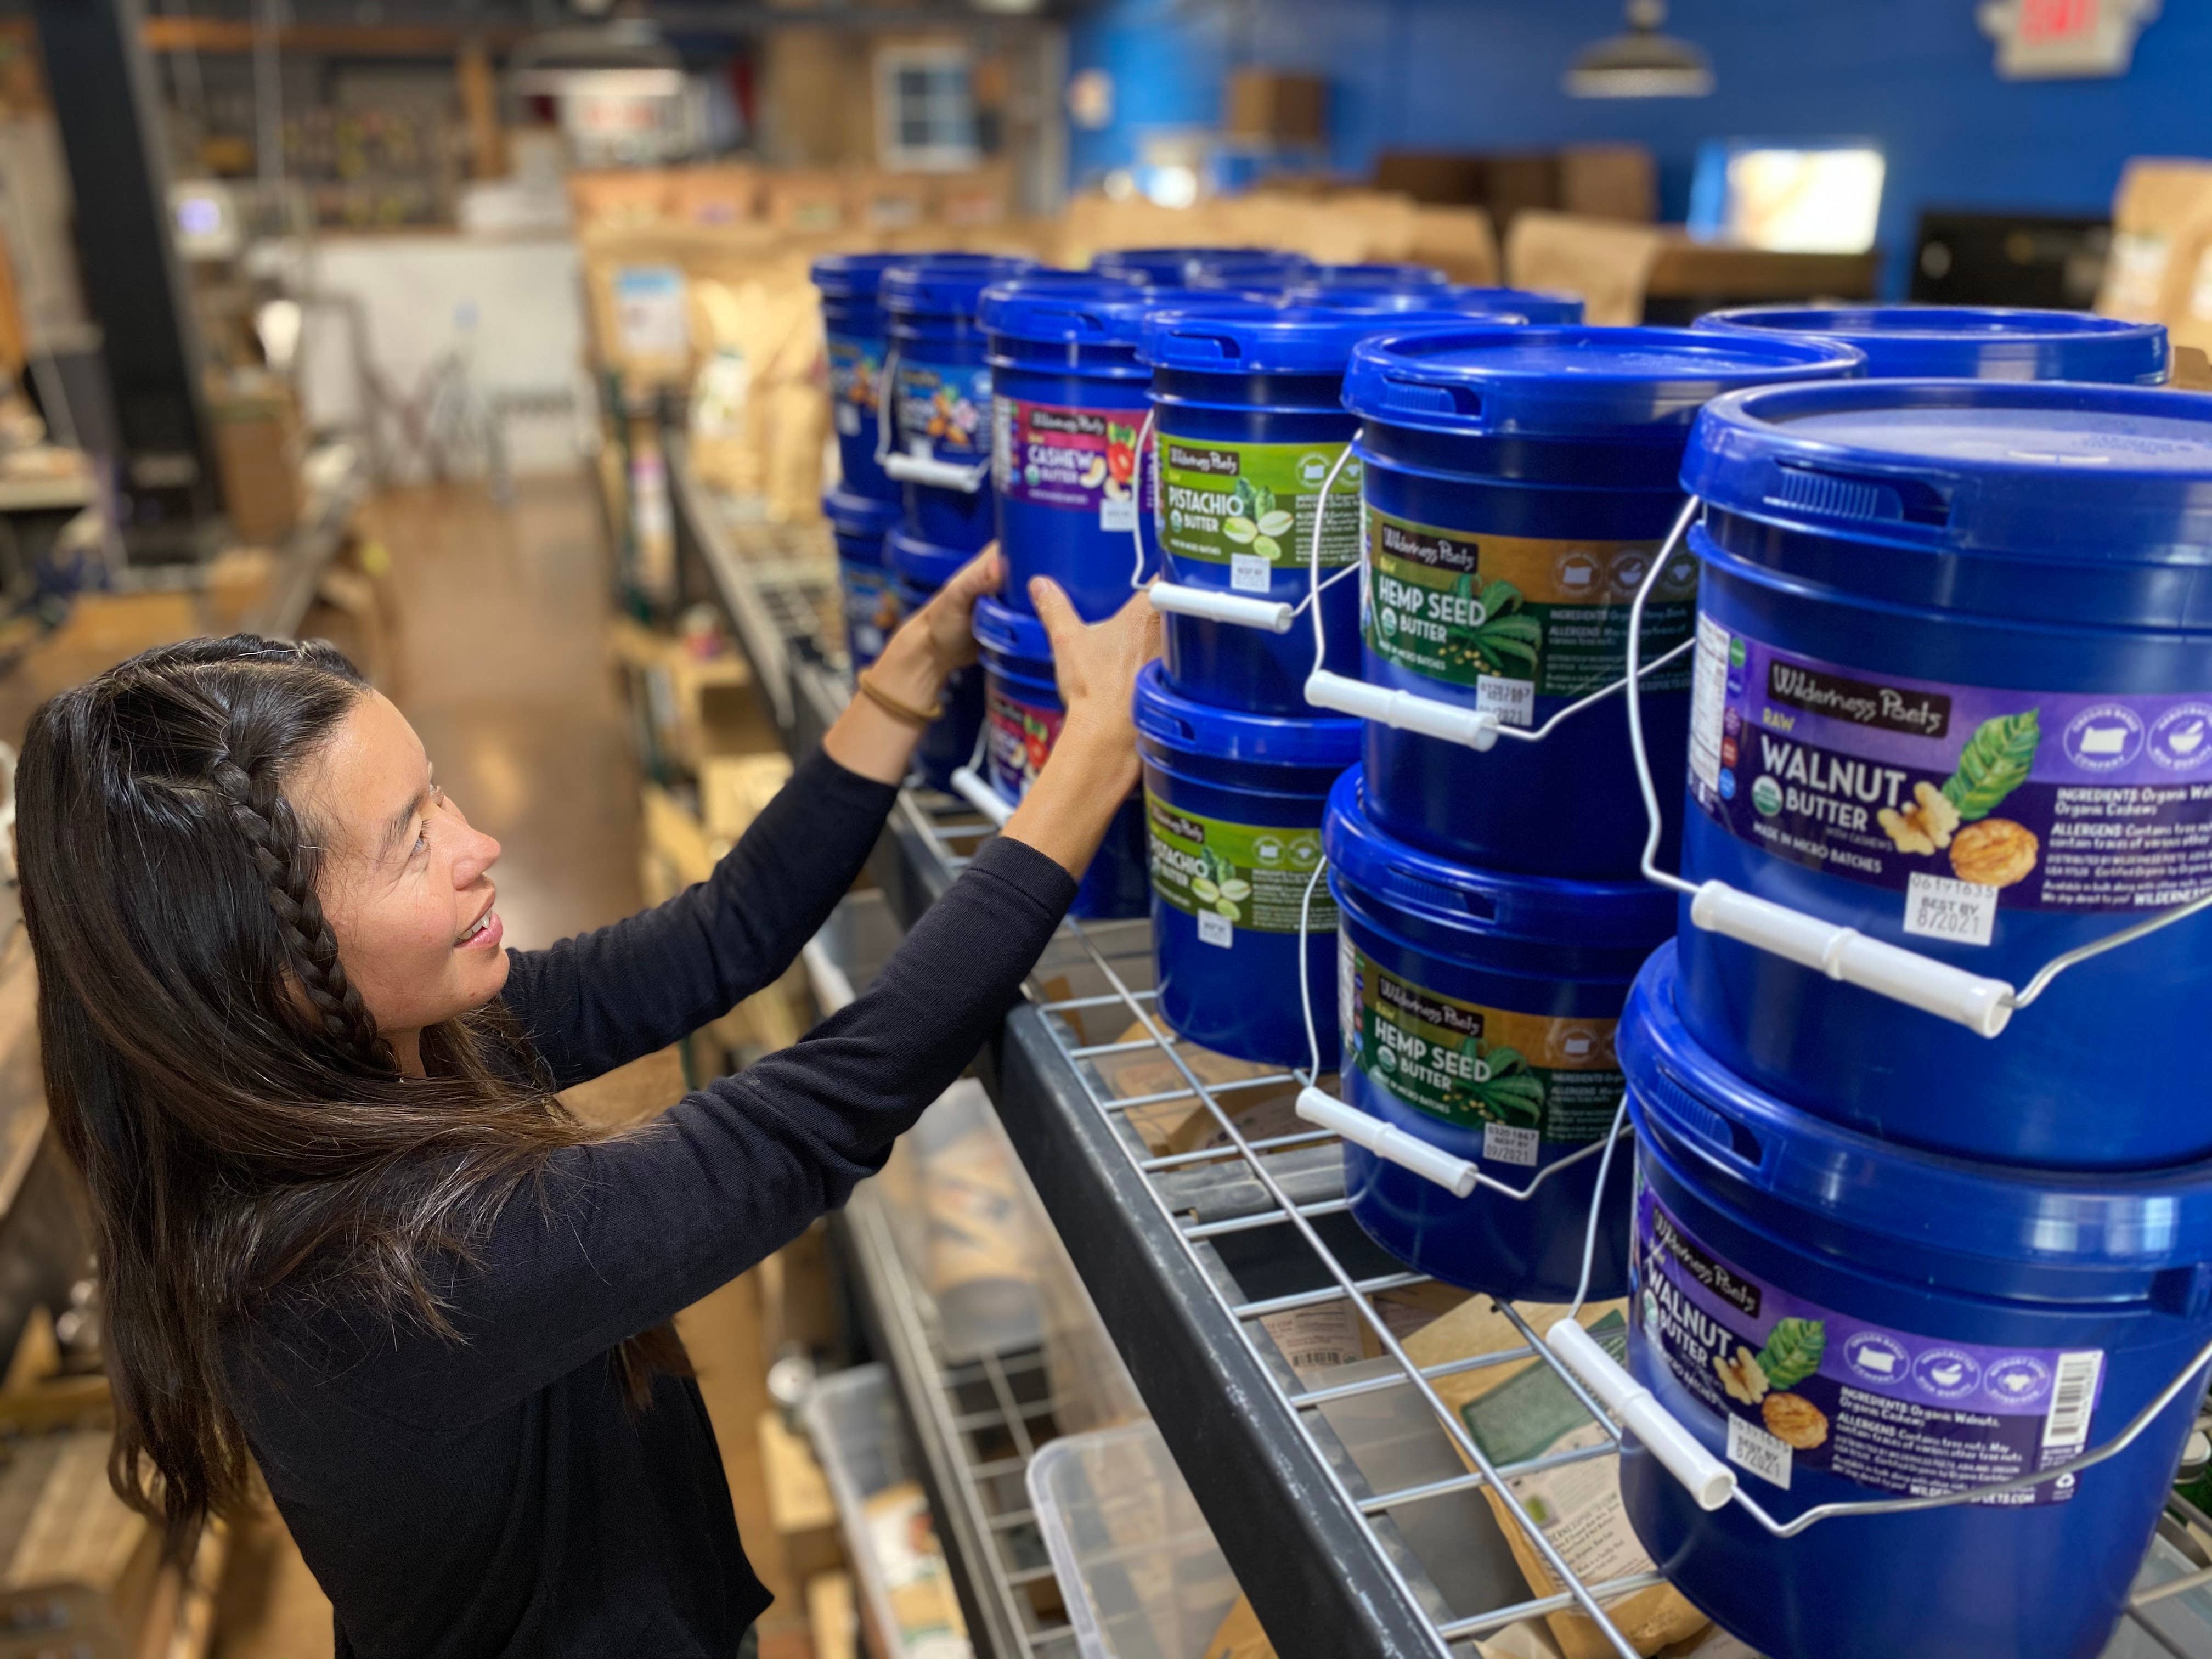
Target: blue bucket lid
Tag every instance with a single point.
(1627, 915)
(1967, 343)
(1168, 717)
(2094, 474)
(853, 276)
(946, 284)
(1060, 309)
(1169, 266)
(1507, 304)
(1574, 382)
(1253, 339)
(2133, 1221)
(1003, 631)
(1381, 275)
(923, 564)
(851, 514)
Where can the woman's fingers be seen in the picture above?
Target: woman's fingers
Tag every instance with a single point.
(1061, 625)
(978, 576)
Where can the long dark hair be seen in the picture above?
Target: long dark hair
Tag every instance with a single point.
(240, 1127)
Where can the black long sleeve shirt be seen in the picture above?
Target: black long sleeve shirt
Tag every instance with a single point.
(497, 1496)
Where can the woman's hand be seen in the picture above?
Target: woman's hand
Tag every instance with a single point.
(870, 736)
(1093, 764)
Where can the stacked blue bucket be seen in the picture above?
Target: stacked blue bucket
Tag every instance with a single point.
(1517, 484)
(1953, 687)
(863, 505)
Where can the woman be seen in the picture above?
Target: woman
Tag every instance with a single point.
(347, 1233)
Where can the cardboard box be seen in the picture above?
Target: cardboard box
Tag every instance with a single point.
(798, 1502)
(2160, 203)
(727, 193)
(259, 448)
(799, 1296)
(1277, 107)
(1609, 181)
(1458, 241)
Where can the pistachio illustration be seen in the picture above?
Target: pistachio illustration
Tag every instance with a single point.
(1204, 888)
(1267, 547)
(1235, 890)
(1239, 531)
(1276, 524)
(1226, 907)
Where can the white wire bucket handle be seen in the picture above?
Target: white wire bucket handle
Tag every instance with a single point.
(971, 786)
(915, 469)
(1981, 1003)
(1431, 717)
(1215, 604)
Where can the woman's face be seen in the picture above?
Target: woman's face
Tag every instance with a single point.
(405, 882)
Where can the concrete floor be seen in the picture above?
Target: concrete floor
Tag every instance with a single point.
(502, 672)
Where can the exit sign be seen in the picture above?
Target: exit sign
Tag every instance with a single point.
(2047, 40)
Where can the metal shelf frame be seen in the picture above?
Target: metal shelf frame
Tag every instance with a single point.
(1181, 1288)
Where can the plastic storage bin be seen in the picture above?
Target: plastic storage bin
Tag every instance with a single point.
(861, 1439)
(1478, 1012)
(1846, 1319)
(1955, 692)
(919, 569)
(857, 337)
(1068, 399)
(1928, 342)
(1517, 483)
(858, 523)
(1138, 1566)
(1022, 716)
(941, 391)
(1248, 422)
(1233, 807)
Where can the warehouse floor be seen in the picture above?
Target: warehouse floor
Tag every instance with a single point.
(502, 669)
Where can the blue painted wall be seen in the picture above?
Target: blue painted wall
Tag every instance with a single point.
(1916, 75)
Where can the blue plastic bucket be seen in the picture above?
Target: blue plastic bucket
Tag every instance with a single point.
(1022, 715)
(1385, 276)
(1845, 1320)
(1247, 268)
(1478, 1012)
(1248, 421)
(858, 523)
(1982, 609)
(941, 404)
(1233, 805)
(1518, 483)
(1170, 267)
(1930, 342)
(919, 569)
(1068, 399)
(856, 334)
(1511, 303)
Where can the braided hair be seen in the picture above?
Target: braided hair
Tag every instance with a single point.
(243, 1132)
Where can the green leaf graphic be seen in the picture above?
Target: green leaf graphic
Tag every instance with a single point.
(1793, 1353)
(1259, 501)
(1994, 761)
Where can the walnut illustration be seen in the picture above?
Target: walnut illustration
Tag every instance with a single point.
(1995, 853)
(1923, 827)
(1795, 1420)
(1742, 1375)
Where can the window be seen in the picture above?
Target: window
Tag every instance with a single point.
(925, 109)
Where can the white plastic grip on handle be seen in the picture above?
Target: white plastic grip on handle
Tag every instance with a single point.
(1456, 1175)
(1212, 604)
(1402, 709)
(1982, 1005)
(936, 474)
(980, 795)
(1710, 1482)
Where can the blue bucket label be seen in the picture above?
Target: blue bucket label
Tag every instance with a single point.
(855, 365)
(1803, 1387)
(942, 408)
(1080, 460)
(1522, 1081)
(871, 609)
(1232, 877)
(1964, 800)
(1018, 737)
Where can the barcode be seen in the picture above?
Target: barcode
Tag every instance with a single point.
(1752, 1448)
(1214, 929)
(2073, 1397)
(1250, 574)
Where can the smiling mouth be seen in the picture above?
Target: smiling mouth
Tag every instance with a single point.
(476, 927)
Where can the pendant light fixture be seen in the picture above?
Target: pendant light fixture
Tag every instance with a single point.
(1641, 63)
